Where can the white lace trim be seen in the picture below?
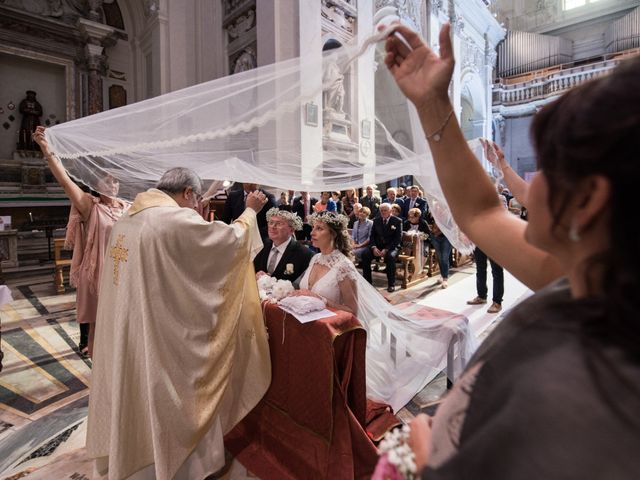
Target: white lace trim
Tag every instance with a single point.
(337, 262)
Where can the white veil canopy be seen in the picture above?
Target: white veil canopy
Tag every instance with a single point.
(267, 126)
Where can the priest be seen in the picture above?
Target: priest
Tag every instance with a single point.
(181, 352)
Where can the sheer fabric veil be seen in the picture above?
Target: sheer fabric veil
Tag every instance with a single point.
(266, 126)
(405, 351)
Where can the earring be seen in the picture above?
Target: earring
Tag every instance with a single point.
(574, 235)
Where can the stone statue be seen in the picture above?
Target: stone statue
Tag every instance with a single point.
(31, 111)
(333, 89)
(246, 61)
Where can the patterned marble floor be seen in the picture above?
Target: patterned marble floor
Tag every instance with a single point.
(44, 384)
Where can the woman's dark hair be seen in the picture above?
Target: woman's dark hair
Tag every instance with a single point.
(594, 129)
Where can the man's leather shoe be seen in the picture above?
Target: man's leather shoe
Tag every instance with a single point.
(391, 289)
(477, 301)
(494, 308)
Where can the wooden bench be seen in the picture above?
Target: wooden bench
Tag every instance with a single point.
(59, 264)
(409, 266)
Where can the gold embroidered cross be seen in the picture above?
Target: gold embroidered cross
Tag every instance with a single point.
(119, 254)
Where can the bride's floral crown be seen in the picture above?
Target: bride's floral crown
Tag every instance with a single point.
(292, 218)
(332, 218)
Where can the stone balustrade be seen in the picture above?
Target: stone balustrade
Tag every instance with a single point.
(549, 82)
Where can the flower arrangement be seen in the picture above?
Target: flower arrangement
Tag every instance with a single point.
(272, 290)
(397, 461)
(293, 219)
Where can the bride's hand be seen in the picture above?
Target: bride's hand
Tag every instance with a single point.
(421, 74)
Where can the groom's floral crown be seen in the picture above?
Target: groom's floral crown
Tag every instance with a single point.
(332, 218)
(293, 219)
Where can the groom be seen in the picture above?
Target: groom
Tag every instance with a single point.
(282, 257)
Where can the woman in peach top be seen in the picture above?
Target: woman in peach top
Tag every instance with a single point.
(88, 230)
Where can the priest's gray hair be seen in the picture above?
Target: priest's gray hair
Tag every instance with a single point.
(176, 180)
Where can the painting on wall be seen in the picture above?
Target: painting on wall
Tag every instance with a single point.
(117, 96)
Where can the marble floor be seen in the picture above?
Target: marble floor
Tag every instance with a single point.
(44, 383)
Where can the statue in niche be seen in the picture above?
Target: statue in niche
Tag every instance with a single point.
(333, 92)
(31, 111)
(246, 61)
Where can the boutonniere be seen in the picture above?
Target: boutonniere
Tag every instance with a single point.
(289, 269)
(393, 227)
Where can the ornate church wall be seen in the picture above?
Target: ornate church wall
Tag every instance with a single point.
(18, 74)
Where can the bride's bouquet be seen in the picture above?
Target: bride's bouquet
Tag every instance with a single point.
(272, 289)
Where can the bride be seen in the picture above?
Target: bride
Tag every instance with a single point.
(407, 345)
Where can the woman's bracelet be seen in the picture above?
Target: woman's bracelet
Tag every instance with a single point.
(437, 135)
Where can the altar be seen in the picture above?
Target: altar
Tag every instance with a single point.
(312, 421)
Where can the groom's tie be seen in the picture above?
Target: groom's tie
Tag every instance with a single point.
(273, 260)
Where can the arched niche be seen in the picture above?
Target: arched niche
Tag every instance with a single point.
(472, 100)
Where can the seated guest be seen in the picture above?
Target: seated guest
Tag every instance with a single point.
(303, 207)
(349, 199)
(353, 218)
(326, 203)
(361, 233)
(415, 222)
(400, 191)
(335, 196)
(371, 201)
(282, 257)
(386, 237)
(235, 205)
(414, 201)
(393, 199)
(283, 200)
(396, 211)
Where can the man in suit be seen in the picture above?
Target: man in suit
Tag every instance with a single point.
(235, 205)
(282, 257)
(386, 237)
(392, 197)
(303, 207)
(414, 201)
(371, 201)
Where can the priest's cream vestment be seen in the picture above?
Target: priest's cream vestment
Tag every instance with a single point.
(181, 353)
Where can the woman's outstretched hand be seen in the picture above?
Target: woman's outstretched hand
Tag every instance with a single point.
(494, 153)
(39, 138)
(421, 74)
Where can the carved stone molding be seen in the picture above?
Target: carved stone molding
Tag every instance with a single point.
(407, 9)
(473, 56)
(242, 24)
(340, 14)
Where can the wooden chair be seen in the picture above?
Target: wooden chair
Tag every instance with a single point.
(59, 264)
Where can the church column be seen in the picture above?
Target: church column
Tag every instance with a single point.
(97, 36)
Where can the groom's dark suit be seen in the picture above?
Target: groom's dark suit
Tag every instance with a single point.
(295, 254)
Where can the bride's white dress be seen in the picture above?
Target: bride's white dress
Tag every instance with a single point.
(340, 269)
(404, 351)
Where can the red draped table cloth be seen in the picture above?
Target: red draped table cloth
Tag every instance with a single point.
(311, 422)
